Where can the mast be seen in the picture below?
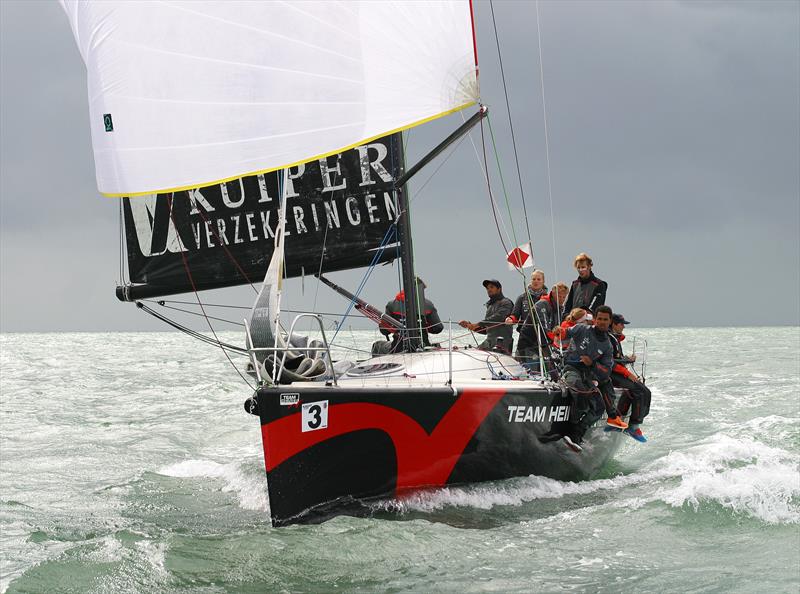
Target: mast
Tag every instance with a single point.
(412, 339)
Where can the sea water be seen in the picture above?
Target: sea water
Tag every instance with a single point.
(128, 464)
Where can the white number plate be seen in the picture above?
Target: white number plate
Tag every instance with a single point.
(314, 416)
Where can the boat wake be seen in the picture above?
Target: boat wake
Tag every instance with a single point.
(741, 475)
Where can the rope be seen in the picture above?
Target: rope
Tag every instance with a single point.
(510, 123)
(197, 296)
(505, 192)
(163, 301)
(224, 246)
(546, 141)
(192, 333)
(194, 313)
(435, 171)
(384, 242)
(491, 195)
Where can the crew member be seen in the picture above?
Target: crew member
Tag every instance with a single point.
(396, 308)
(549, 310)
(587, 291)
(498, 334)
(527, 345)
(636, 395)
(576, 316)
(589, 361)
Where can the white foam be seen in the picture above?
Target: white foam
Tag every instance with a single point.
(155, 554)
(249, 486)
(742, 475)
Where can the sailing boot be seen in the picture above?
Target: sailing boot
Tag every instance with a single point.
(635, 433)
(616, 422)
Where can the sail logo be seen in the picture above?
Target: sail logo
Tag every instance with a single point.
(339, 212)
(537, 414)
(332, 194)
(155, 229)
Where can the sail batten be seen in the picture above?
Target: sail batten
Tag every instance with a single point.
(184, 95)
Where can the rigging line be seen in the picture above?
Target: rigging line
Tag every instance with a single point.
(197, 296)
(163, 301)
(195, 313)
(485, 171)
(435, 171)
(546, 140)
(321, 262)
(193, 333)
(491, 196)
(386, 238)
(505, 193)
(224, 246)
(510, 123)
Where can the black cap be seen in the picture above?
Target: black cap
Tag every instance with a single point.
(619, 319)
(492, 281)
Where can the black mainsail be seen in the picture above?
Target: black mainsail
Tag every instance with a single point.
(340, 214)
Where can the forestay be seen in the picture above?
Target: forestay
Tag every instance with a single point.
(188, 94)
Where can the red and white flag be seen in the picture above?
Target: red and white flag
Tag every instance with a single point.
(520, 257)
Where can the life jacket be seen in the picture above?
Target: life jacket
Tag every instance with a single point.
(561, 341)
(616, 345)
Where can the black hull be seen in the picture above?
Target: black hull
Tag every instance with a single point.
(386, 442)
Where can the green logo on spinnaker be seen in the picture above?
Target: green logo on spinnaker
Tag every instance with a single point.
(108, 123)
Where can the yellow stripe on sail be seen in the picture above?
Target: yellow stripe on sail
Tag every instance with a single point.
(294, 164)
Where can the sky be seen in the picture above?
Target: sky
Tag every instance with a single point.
(674, 136)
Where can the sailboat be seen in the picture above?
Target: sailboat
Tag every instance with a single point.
(251, 141)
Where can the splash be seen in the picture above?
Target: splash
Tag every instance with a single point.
(742, 475)
(239, 478)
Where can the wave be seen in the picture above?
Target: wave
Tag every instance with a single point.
(741, 475)
(238, 477)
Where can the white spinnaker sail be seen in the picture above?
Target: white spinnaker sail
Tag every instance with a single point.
(186, 94)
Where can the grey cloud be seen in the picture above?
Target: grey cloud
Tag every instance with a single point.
(675, 142)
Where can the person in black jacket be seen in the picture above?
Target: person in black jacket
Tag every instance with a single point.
(636, 396)
(493, 324)
(587, 291)
(587, 375)
(431, 323)
(547, 313)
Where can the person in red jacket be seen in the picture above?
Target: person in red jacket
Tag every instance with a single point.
(636, 395)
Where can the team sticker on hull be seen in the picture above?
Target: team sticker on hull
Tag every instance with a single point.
(537, 414)
(314, 416)
(290, 398)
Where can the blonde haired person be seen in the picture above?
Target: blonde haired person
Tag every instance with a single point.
(548, 311)
(522, 315)
(587, 291)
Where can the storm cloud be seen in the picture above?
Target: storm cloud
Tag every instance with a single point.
(674, 132)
